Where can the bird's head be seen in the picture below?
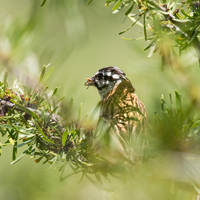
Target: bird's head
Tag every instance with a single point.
(106, 80)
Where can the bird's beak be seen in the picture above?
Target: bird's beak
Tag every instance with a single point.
(89, 82)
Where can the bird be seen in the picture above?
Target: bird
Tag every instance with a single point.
(119, 106)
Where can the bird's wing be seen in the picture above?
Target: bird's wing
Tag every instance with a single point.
(128, 122)
(130, 114)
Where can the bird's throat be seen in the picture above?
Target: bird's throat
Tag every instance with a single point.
(108, 91)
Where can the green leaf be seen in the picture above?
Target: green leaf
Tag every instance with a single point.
(40, 130)
(42, 73)
(47, 99)
(145, 28)
(19, 158)
(60, 99)
(117, 5)
(89, 2)
(150, 44)
(46, 77)
(178, 101)
(33, 148)
(64, 137)
(74, 168)
(25, 109)
(95, 110)
(43, 90)
(107, 3)
(42, 115)
(52, 112)
(129, 10)
(38, 160)
(53, 161)
(162, 103)
(27, 90)
(132, 18)
(43, 3)
(5, 80)
(181, 20)
(54, 92)
(80, 112)
(14, 155)
(13, 126)
(18, 128)
(71, 102)
(65, 134)
(191, 17)
(196, 124)
(170, 98)
(85, 163)
(129, 27)
(193, 38)
(152, 49)
(132, 39)
(24, 143)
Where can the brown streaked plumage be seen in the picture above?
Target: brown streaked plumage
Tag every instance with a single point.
(120, 106)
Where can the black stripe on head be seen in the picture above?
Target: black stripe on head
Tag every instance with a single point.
(113, 70)
(107, 77)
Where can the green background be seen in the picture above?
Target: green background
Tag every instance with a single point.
(77, 40)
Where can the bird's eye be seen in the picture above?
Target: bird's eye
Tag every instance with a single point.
(100, 76)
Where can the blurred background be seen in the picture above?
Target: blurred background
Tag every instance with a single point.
(77, 40)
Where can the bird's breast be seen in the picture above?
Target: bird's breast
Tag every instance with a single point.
(123, 110)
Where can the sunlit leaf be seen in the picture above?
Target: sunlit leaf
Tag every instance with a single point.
(187, 15)
(136, 21)
(85, 163)
(19, 158)
(181, 20)
(48, 74)
(132, 39)
(117, 5)
(42, 73)
(152, 48)
(24, 143)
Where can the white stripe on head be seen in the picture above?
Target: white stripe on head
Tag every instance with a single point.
(109, 73)
(115, 76)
